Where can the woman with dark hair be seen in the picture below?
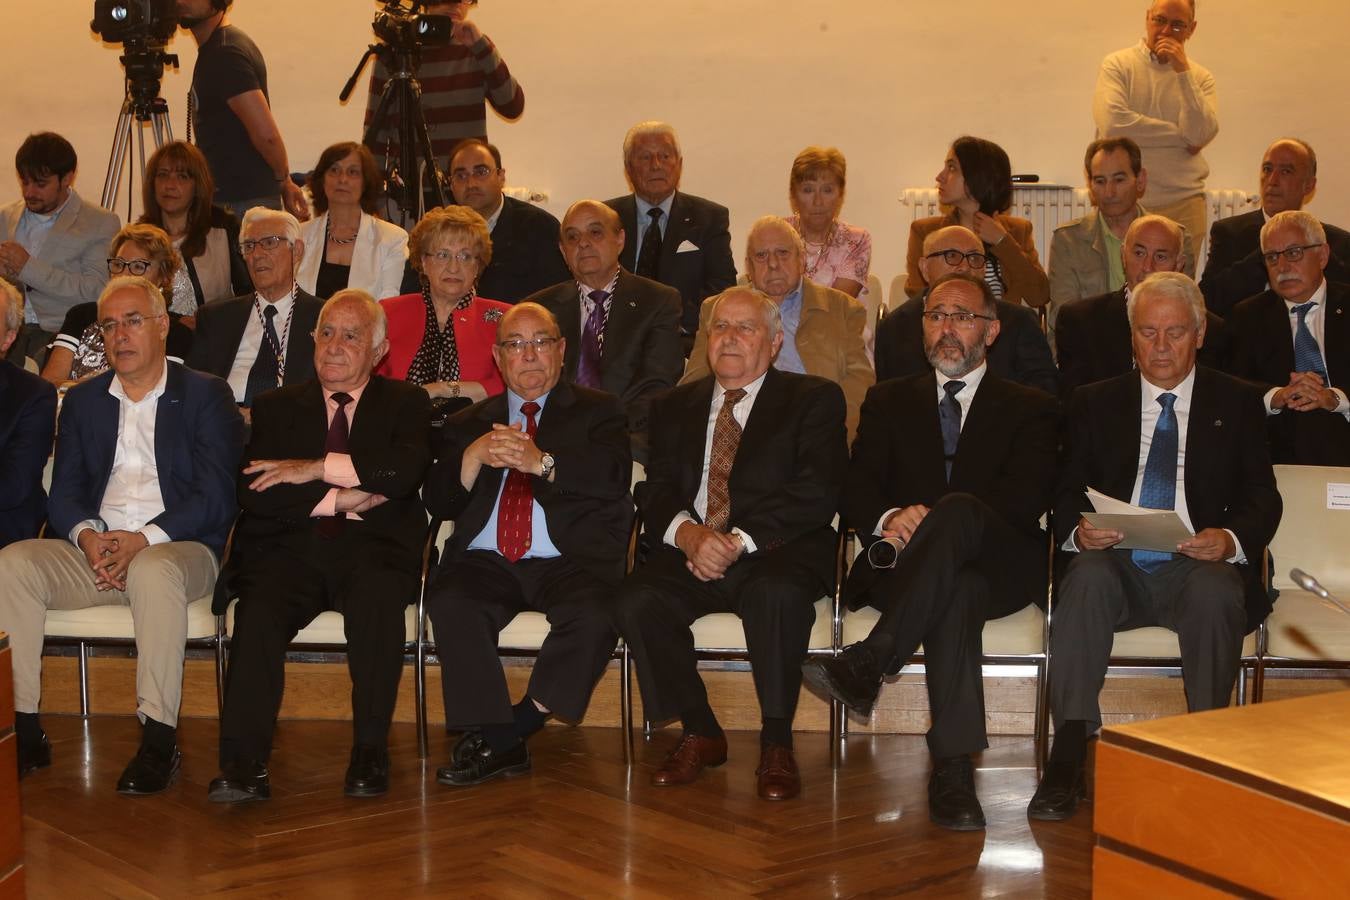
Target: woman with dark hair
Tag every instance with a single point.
(975, 184)
(176, 195)
(346, 246)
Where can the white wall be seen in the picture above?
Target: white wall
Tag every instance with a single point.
(748, 83)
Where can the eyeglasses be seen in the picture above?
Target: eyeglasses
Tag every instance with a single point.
(1293, 254)
(1176, 26)
(133, 323)
(953, 258)
(269, 243)
(117, 265)
(960, 319)
(477, 173)
(517, 346)
(463, 257)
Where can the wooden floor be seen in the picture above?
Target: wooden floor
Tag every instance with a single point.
(579, 825)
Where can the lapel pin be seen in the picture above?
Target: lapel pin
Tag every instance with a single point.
(1218, 423)
(632, 304)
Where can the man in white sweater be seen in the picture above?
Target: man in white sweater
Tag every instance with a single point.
(1153, 93)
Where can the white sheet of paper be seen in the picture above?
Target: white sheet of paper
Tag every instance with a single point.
(1105, 504)
(1155, 529)
(1338, 495)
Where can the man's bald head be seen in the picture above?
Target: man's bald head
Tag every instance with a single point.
(940, 253)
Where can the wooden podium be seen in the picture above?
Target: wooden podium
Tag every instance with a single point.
(11, 832)
(1252, 799)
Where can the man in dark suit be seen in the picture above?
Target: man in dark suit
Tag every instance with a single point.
(1171, 436)
(331, 520)
(536, 480)
(951, 472)
(261, 342)
(744, 480)
(141, 505)
(1235, 270)
(622, 331)
(27, 423)
(1294, 342)
(1021, 352)
(525, 255)
(674, 238)
(1092, 336)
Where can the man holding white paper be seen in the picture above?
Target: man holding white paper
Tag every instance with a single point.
(1169, 436)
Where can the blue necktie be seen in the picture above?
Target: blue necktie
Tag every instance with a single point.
(1159, 490)
(949, 417)
(1307, 357)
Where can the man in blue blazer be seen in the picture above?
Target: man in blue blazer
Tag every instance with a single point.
(141, 505)
(27, 422)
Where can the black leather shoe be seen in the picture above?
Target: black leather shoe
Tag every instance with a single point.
(1057, 796)
(150, 771)
(951, 795)
(469, 743)
(484, 765)
(853, 677)
(239, 782)
(35, 756)
(368, 773)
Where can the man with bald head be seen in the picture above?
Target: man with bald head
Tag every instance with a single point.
(822, 327)
(1171, 435)
(1235, 269)
(1092, 335)
(1020, 353)
(622, 331)
(536, 480)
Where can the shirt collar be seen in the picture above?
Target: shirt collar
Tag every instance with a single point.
(354, 393)
(115, 388)
(496, 213)
(283, 305)
(47, 218)
(1319, 297)
(643, 207)
(585, 292)
(514, 402)
(971, 379)
(751, 389)
(793, 298)
(1151, 391)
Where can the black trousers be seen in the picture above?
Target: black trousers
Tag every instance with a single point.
(281, 595)
(478, 595)
(964, 566)
(774, 594)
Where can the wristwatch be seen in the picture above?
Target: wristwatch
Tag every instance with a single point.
(546, 464)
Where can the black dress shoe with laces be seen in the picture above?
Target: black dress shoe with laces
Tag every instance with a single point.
(485, 764)
(1057, 796)
(368, 772)
(37, 755)
(469, 743)
(150, 771)
(951, 795)
(853, 677)
(240, 782)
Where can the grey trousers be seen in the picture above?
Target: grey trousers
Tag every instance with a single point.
(1104, 592)
(162, 580)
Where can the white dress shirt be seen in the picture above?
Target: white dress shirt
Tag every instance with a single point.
(1316, 320)
(251, 341)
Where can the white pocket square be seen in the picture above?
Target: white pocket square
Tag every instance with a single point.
(686, 247)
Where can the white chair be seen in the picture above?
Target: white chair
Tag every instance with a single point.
(897, 296)
(1304, 631)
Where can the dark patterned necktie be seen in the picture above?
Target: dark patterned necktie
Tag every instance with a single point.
(1307, 356)
(949, 417)
(515, 509)
(263, 375)
(588, 363)
(338, 432)
(1159, 489)
(649, 262)
(726, 440)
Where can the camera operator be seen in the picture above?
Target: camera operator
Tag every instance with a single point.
(229, 110)
(456, 78)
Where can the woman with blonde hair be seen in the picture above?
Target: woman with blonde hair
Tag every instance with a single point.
(838, 255)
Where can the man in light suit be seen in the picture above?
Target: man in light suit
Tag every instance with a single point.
(525, 256)
(1020, 353)
(261, 342)
(1171, 436)
(53, 245)
(674, 238)
(331, 520)
(142, 502)
(822, 327)
(27, 423)
(622, 330)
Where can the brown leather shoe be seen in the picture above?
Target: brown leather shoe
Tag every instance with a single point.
(778, 778)
(689, 758)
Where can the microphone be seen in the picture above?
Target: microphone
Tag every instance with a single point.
(1314, 587)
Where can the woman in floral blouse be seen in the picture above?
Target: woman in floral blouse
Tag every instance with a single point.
(838, 255)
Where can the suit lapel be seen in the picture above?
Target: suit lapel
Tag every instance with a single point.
(566, 305)
(694, 435)
(363, 252)
(1205, 438)
(66, 221)
(103, 431)
(1275, 321)
(1120, 436)
(1336, 334)
(169, 426)
(681, 224)
(980, 419)
(922, 433)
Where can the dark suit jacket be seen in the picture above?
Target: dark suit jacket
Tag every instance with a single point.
(199, 436)
(696, 274)
(587, 507)
(642, 355)
(1229, 481)
(1263, 353)
(525, 254)
(1234, 269)
(220, 328)
(784, 484)
(1092, 339)
(27, 423)
(390, 450)
(1006, 457)
(1020, 353)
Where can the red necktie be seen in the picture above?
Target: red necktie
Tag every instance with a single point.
(336, 442)
(516, 506)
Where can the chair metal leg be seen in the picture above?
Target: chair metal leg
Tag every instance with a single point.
(1041, 728)
(836, 732)
(1259, 680)
(1242, 684)
(420, 696)
(647, 729)
(84, 679)
(626, 703)
(220, 667)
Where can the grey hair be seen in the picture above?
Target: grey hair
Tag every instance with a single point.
(13, 301)
(652, 128)
(374, 311)
(1173, 228)
(773, 317)
(1305, 222)
(764, 222)
(139, 283)
(1174, 286)
(265, 214)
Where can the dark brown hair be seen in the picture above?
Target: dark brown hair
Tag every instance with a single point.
(370, 176)
(181, 155)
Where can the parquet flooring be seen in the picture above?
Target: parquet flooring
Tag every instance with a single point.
(579, 825)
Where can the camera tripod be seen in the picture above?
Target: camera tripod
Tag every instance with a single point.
(142, 104)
